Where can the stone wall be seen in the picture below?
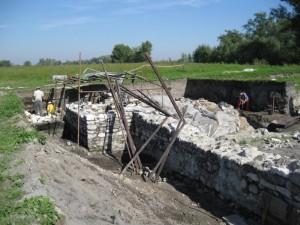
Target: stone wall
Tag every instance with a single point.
(99, 130)
(238, 173)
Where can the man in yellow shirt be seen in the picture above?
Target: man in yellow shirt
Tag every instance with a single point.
(50, 109)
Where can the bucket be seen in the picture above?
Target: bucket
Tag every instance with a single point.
(59, 77)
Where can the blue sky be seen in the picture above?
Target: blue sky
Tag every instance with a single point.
(60, 29)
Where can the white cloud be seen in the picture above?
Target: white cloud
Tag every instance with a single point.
(142, 6)
(65, 23)
(83, 5)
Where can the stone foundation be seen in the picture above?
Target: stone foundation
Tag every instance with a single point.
(99, 130)
(241, 174)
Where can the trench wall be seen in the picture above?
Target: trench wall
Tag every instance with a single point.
(242, 183)
(259, 93)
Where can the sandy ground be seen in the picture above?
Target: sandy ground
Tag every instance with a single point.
(87, 194)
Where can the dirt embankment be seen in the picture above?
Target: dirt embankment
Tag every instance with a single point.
(88, 194)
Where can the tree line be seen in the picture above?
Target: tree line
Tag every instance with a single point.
(121, 54)
(272, 38)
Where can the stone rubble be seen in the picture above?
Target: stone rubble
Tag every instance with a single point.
(37, 119)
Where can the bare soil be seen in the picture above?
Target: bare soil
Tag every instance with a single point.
(88, 189)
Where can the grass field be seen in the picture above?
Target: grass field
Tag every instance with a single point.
(30, 77)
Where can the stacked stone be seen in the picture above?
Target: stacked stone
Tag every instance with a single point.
(99, 130)
(238, 173)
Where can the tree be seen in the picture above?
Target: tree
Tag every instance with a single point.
(227, 49)
(48, 62)
(270, 38)
(121, 53)
(294, 18)
(146, 47)
(27, 63)
(190, 58)
(5, 63)
(105, 58)
(139, 52)
(202, 54)
(184, 58)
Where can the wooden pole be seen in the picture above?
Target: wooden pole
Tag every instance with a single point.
(78, 116)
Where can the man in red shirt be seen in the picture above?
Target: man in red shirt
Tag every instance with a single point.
(243, 101)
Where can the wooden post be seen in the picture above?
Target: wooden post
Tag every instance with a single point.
(78, 116)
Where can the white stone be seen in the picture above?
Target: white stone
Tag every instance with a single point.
(101, 135)
(92, 136)
(90, 117)
(102, 116)
(281, 171)
(275, 141)
(92, 127)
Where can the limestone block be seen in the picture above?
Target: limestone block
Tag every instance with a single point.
(90, 117)
(253, 189)
(292, 187)
(295, 106)
(281, 171)
(91, 136)
(243, 183)
(102, 121)
(253, 176)
(101, 135)
(102, 116)
(264, 184)
(295, 177)
(92, 127)
(284, 191)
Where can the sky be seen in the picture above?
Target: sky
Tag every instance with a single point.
(62, 29)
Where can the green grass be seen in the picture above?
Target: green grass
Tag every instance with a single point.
(243, 142)
(32, 76)
(13, 210)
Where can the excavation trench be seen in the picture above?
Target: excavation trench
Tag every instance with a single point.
(220, 159)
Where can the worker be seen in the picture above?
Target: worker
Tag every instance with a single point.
(37, 98)
(243, 101)
(50, 109)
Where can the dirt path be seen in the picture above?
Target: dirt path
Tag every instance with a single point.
(88, 194)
